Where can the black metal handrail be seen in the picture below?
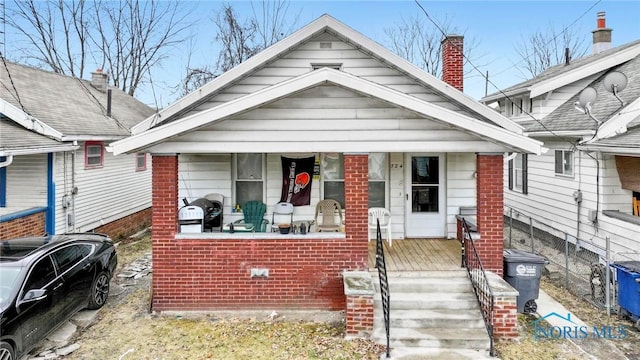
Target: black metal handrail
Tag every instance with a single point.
(381, 265)
(482, 289)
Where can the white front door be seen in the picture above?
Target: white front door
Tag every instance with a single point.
(424, 195)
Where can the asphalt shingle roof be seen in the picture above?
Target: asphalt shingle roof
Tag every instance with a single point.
(69, 105)
(567, 118)
(14, 136)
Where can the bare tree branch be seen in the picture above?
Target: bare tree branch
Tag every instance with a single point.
(541, 50)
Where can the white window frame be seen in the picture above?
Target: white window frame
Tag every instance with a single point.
(567, 155)
(141, 157)
(262, 178)
(385, 180)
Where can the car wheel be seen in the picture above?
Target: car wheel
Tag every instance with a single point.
(6, 351)
(99, 291)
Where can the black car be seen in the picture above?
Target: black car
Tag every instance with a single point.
(45, 280)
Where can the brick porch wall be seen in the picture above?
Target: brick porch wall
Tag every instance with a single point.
(127, 226)
(208, 274)
(29, 225)
(490, 204)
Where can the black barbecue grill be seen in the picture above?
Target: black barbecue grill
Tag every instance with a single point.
(210, 215)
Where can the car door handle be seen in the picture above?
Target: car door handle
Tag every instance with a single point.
(86, 266)
(57, 286)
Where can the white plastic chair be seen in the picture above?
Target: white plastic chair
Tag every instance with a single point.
(281, 210)
(384, 216)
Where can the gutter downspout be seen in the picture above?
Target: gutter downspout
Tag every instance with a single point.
(7, 162)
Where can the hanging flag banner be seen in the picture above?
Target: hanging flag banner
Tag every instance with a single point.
(297, 175)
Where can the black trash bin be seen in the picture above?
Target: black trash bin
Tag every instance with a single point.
(523, 271)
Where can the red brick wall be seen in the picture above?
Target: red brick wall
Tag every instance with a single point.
(127, 226)
(359, 315)
(33, 224)
(453, 61)
(356, 189)
(505, 318)
(490, 218)
(207, 274)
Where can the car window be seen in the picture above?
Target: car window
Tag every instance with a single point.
(69, 256)
(41, 274)
(8, 280)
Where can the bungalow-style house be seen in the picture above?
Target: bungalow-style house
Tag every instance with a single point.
(587, 111)
(382, 133)
(55, 175)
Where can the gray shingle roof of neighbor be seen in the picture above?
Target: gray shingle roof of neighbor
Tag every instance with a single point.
(560, 68)
(68, 104)
(629, 139)
(14, 136)
(567, 118)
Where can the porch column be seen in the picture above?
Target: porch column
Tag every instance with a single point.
(490, 221)
(164, 198)
(356, 193)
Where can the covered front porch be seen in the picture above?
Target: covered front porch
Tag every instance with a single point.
(419, 255)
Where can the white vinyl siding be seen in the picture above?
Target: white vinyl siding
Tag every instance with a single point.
(104, 194)
(551, 200)
(354, 61)
(461, 187)
(26, 183)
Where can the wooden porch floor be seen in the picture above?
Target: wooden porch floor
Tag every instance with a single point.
(419, 254)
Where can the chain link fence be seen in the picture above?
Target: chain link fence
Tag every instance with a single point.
(578, 265)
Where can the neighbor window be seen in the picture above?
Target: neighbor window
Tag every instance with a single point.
(141, 162)
(518, 173)
(564, 162)
(249, 175)
(377, 179)
(93, 154)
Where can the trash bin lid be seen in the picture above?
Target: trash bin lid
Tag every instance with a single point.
(515, 255)
(629, 265)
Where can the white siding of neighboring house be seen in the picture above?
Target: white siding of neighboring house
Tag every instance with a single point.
(551, 203)
(201, 174)
(26, 183)
(104, 194)
(354, 61)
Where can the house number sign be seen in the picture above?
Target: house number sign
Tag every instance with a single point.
(396, 165)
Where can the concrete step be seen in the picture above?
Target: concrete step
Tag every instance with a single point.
(440, 318)
(429, 285)
(432, 301)
(405, 353)
(458, 338)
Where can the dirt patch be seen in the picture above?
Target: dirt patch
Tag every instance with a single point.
(126, 330)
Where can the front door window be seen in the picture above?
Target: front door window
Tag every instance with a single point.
(425, 175)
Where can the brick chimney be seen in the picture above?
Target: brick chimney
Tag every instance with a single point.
(453, 61)
(99, 80)
(601, 35)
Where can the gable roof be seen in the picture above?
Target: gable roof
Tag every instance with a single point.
(325, 23)
(256, 99)
(561, 74)
(68, 107)
(606, 109)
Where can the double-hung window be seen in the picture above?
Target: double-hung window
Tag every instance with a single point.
(377, 179)
(141, 161)
(333, 178)
(249, 178)
(518, 173)
(93, 154)
(564, 162)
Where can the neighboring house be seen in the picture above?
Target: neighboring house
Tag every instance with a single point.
(55, 176)
(383, 133)
(588, 185)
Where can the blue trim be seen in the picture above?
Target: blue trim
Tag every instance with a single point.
(21, 214)
(3, 184)
(50, 217)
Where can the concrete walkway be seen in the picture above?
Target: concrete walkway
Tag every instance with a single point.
(557, 315)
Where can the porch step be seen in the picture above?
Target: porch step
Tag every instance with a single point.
(433, 315)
